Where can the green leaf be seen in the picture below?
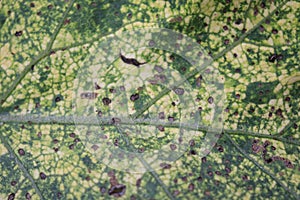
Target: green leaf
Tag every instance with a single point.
(46, 151)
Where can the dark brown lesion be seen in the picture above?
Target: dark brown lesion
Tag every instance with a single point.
(131, 61)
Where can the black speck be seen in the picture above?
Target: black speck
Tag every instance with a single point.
(32, 5)
(193, 152)
(18, 33)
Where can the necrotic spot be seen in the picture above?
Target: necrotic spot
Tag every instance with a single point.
(210, 100)
(21, 152)
(43, 176)
(11, 196)
(117, 190)
(106, 101)
(134, 97)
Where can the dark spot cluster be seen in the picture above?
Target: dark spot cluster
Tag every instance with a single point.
(258, 146)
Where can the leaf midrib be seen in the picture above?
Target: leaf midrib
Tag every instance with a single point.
(48, 49)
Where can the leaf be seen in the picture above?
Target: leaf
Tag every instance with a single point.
(47, 152)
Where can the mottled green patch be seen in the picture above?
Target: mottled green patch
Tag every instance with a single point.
(261, 93)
